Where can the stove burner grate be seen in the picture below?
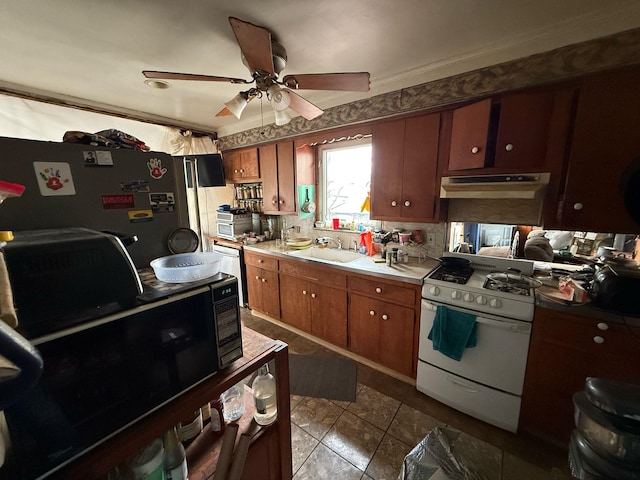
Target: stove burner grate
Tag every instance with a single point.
(452, 275)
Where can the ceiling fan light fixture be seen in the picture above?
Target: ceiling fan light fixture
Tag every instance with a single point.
(238, 103)
(279, 98)
(282, 117)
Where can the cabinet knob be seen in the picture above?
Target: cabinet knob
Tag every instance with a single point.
(603, 326)
(372, 313)
(241, 170)
(407, 203)
(508, 147)
(394, 203)
(475, 149)
(304, 292)
(273, 202)
(257, 277)
(260, 261)
(385, 317)
(235, 171)
(263, 280)
(378, 290)
(598, 339)
(281, 202)
(313, 295)
(577, 206)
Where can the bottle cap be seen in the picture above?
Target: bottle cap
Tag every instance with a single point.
(6, 235)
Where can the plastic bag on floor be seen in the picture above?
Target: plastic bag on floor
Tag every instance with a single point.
(434, 459)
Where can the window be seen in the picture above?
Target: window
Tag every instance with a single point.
(345, 179)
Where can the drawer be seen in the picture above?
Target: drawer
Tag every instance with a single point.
(382, 290)
(261, 261)
(328, 276)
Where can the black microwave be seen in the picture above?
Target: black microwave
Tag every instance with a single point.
(101, 376)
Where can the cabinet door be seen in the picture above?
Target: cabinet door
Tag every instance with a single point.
(469, 135)
(605, 143)
(263, 290)
(286, 178)
(364, 327)
(329, 314)
(420, 185)
(269, 171)
(396, 337)
(387, 170)
(295, 295)
(231, 163)
(523, 131)
(249, 164)
(254, 288)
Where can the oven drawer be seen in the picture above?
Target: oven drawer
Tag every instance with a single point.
(492, 406)
(499, 359)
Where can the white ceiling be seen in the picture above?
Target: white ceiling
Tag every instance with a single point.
(92, 52)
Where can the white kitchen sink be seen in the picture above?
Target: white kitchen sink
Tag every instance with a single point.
(327, 254)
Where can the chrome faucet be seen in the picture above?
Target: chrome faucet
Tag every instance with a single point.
(326, 240)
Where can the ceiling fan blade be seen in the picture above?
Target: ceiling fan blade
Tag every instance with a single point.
(352, 82)
(190, 76)
(255, 44)
(302, 106)
(224, 112)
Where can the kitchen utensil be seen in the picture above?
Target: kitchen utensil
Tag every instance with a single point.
(186, 267)
(183, 240)
(455, 262)
(514, 277)
(308, 206)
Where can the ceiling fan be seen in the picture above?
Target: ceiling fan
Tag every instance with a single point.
(265, 59)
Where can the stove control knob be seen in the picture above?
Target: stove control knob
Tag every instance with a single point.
(434, 291)
(495, 303)
(481, 300)
(456, 294)
(468, 297)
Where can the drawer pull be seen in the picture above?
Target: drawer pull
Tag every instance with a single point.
(304, 292)
(464, 386)
(264, 280)
(378, 290)
(257, 277)
(372, 313)
(385, 317)
(260, 260)
(313, 295)
(475, 149)
(603, 326)
(598, 339)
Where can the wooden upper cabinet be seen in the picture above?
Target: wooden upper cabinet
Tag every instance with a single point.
(604, 150)
(277, 163)
(241, 165)
(509, 133)
(404, 171)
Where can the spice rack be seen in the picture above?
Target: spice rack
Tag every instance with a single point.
(249, 197)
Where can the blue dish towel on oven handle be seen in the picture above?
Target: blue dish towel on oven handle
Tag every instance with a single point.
(453, 331)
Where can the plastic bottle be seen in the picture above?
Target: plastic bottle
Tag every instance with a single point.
(175, 458)
(264, 395)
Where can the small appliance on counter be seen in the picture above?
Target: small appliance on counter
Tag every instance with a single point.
(64, 276)
(233, 223)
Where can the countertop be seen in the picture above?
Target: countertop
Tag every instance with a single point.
(412, 272)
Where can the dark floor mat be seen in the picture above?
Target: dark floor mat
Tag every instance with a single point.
(323, 377)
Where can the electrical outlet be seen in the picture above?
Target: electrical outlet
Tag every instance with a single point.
(430, 239)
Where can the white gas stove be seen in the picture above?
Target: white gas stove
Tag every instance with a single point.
(471, 290)
(487, 381)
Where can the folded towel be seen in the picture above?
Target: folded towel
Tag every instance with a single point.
(453, 331)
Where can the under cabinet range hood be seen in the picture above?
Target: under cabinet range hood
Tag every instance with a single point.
(522, 186)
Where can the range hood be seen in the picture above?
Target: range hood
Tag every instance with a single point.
(522, 186)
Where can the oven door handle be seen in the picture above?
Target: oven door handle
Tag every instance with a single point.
(506, 324)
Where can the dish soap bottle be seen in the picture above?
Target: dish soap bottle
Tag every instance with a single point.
(264, 395)
(175, 458)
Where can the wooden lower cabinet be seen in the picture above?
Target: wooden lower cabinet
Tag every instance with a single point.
(565, 349)
(382, 332)
(263, 287)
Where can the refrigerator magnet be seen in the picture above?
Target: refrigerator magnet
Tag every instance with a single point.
(137, 216)
(162, 202)
(54, 179)
(156, 170)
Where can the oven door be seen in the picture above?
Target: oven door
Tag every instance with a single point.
(498, 360)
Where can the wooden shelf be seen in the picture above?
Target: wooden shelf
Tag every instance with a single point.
(204, 450)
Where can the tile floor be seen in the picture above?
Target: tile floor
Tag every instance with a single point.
(369, 438)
